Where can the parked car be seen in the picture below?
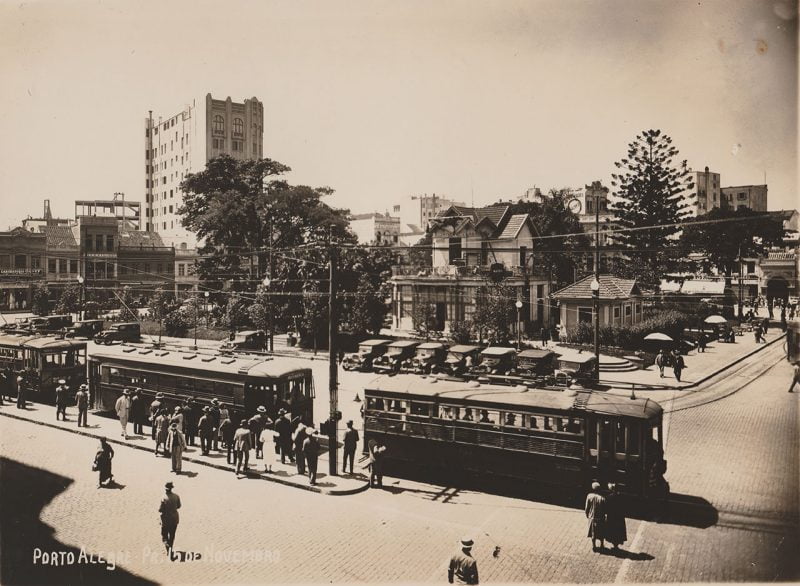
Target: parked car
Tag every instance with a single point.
(460, 358)
(535, 363)
(87, 328)
(51, 324)
(246, 340)
(495, 360)
(124, 332)
(395, 354)
(428, 358)
(575, 367)
(19, 324)
(368, 351)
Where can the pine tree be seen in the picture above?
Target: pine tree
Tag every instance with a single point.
(649, 202)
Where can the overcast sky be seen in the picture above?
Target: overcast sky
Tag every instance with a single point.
(382, 100)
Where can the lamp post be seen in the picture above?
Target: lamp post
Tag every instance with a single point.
(739, 261)
(80, 302)
(518, 305)
(205, 307)
(596, 297)
(270, 347)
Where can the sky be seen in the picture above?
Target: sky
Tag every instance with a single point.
(381, 100)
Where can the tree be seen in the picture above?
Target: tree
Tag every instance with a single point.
(495, 312)
(649, 204)
(423, 318)
(314, 320)
(461, 331)
(160, 306)
(127, 305)
(176, 324)
(40, 302)
(70, 300)
(363, 279)
(236, 315)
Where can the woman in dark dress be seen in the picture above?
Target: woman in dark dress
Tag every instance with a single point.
(615, 530)
(102, 462)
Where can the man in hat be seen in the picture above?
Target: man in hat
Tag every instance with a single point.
(190, 419)
(162, 430)
(215, 418)
(242, 445)
(168, 510)
(82, 402)
(463, 568)
(62, 396)
(205, 429)
(226, 431)
(284, 428)
(256, 425)
(311, 453)
(21, 388)
(138, 412)
(350, 443)
(299, 438)
(595, 510)
(176, 444)
(155, 409)
(123, 408)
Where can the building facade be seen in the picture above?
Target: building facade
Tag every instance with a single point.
(706, 194)
(22, 260)
(183, 143)
(376, 228)
(738, 197)
(619, 300)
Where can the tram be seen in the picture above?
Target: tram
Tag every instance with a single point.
(43, 360)
(793, 343)
(244, 382)
(560, 440)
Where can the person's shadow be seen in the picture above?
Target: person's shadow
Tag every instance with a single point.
(113, 485)
(625, 554)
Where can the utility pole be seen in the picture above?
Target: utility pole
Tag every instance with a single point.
(596, 286)
(333, 372)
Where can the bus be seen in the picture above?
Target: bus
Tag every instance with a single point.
(244, 382)
(555, 439)
(43, 360)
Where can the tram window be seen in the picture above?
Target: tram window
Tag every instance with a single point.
(374, 404)
(167, 382)
(633, 438)
(223, 389)
(513, 420)
(489, 416)
(184, 384)
(397, 406)
(548, 423)
(533, 422)
(467, 415)
(448, 412)
(204, 386)
(573, 426)
(421, 409)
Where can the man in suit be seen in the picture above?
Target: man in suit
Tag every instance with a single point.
(350, 443)
(284, 428)
(62, 396)
(242, 445)
(82, 402)
(168, 512)
(206, 430)
(155, 409)
(311, 453)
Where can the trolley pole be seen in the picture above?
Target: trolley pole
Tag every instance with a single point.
(333, 372)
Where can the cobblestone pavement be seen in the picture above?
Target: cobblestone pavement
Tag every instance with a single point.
(732, 464)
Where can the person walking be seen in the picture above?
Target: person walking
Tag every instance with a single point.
(177, 417)
(214, 413)
(190, 419)
(242, 445)
(350, 443)
(168, 513)
(205, 428)
(62, 396)
(615, 531)
(226, 430)
(795, 377)
(701, 343)
(155, 410)
(269, 438)
(162, 430)
(595, 510)
(376, 455)
(463, 569)
(677, 365)
(661, 362)
(545, 337)
(298, 438)
(284, 428)
(138, 412)
(8, 388)
(123, 408)
(21, 388)
(102, 463)
(256, 425)
(82, 402)
(311, 453)
(176, 443)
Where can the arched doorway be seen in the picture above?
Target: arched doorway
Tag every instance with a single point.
(777, 289)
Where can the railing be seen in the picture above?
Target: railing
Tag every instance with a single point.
(453, 271)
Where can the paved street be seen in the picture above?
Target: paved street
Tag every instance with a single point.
(732, 464)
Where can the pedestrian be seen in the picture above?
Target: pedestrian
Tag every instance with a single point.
(155, 410)
(190, 418)
(765, 324)
(62, 396)
(226, 436)
(463, 569)
(205, 429)
(138, 412)
(102, 463)
(177, 417)
(661, 362)
(792, 309)
(757, 332)
(615, 531)
(298, 438)
(376, 455)
(269, 437)
(545, 337)
(284, 429)
(213, 412)
(82, 402)
(311, 453)
(595, 510)
(701, 343)
(242, 445)
(21, 388)
(795, 377)
(350, 443)
(224, 413)
(256, 424)
(162, 430)
(176, 443)
(168, 511)
(783, 318)
(8, 389)
(677, 365)
(123, 408)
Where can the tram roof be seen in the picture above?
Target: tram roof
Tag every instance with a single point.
(39, 342)
(430, 346)
(623, 406)
(244, 365)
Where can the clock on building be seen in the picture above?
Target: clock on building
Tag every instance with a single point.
(575, 206)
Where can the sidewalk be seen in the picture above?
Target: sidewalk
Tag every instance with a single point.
(110, 429)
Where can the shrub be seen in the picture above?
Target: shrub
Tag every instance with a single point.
(175, 324)
(631, 337)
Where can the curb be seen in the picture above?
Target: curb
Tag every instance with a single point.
(226, 468)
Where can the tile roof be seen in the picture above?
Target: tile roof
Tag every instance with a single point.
(513, 226)
(58, 236)
(494, 212)
(140, 238)
(611, 287)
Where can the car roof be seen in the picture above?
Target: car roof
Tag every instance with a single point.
(430, 346)
(464, 348)
(403, 344)
(373, 342)
(535, 353)
(498, 351)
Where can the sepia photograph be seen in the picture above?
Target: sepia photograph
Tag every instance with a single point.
(399, 292)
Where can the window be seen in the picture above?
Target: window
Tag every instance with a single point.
(62, 267)
(219, 124)
(98, 242)
(523, 254)
(238, 127)
(616, 313)
(87, 243)
(627, 310)
(51, 265)
(36, 263)
(742, 195)
(73, 266)
(109, 243)
(170, 207)
(181, 270)
(454, 250)
(170, 194)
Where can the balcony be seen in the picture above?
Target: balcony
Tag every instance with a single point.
(453, 271)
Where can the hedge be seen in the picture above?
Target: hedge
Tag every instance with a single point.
(631, 336)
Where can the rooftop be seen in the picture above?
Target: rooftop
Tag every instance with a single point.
(611, 287)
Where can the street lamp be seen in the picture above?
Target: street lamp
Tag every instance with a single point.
(206, 294)
(596, 296)
(270, 343)
(518, 305)
(80, 308)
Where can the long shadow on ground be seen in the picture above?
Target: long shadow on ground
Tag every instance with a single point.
(25, 492)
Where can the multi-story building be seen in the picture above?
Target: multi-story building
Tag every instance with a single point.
(128, 213)
(431, 206)
(376, 228)
(470, 247)
(183, 143)
(738, 197)
(706, 194)
(22, 258)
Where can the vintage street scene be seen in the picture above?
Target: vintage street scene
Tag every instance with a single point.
(399, 292)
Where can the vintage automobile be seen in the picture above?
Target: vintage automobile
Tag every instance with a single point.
(460, 359)
(87, 328)
(575, 367)
(124, 332)
(495, 360)
(396, 353)
(246, 340)
(535, 364)
(20, 324)
(368, 351)
(428, 359)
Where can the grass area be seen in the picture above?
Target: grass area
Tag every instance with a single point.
(151, 328)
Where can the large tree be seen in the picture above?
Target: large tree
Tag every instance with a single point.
(70, 300)
(40, 301)
(494, 312)
(650, 201)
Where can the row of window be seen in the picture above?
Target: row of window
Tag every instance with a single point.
(20, 261)
(219, 125)
(98, 240)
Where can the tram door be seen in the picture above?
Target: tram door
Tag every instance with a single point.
(258, 392)
(601, 448)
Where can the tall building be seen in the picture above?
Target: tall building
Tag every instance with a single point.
(745, 196)
(706, 195)
(183, 143)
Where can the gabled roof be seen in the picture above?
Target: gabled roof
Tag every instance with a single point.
(513, 226)
(59, 236)
(611, 287)
(140, 238)
(493, 214)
